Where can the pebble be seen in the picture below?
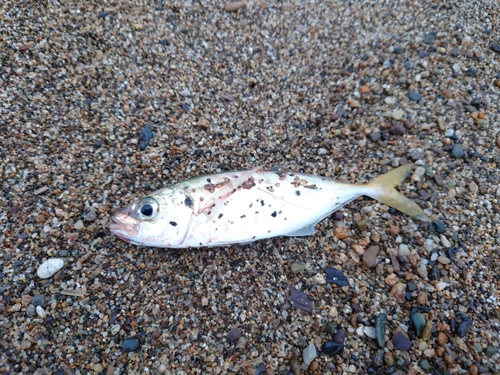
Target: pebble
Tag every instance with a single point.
(378, 358)
(49, 267)
(370, 332)
(331, 328)
(391, 279)
(418, 323)
(427, 331)
(40, 311)
(295, 367)
(380, 324)
(332, 348)
(336, 276)
(438, 226)
(464, 327)
(370, 256)
(457, 151)
(342, 232)
(130, 344)
(319, 279)
(495, 47)
(90, 215)
(78, 225)
(241, 343)
(422, 298)
(234, 5)
(441, 339)
(389, 359)
(31, 311)
(401, 342)
(39, 300)
(398, 292)
(234, 335)
(414, 96)
(309, 354)
(398, 114)
(297, 267)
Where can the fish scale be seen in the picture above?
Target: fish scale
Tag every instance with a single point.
(242, 207)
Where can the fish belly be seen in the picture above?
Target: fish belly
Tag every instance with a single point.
(271, 205)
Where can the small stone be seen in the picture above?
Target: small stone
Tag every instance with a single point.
(398, 114)
(425, 365)
(495, 47)
(78, 225)
(403, 250)
(98, 368)
(362, 224)
(332, 348)
(380, 324)
(397, 129)
(39, 300)
(145, 137)
(438, 226)
(25, 344)
(90, 216)
(398, 292)
(490, 351)
(336, 276)
(234, 335)
(31, 311)
(418, 323)
(414, 96)
(473, 188)
(463, 327)
(300, 299)
(314, 365)
(457, 151)
(309, 354)
(401, 342)
(427, 331)
(16, 307)
(375, 136)
(297, 267)
(185, 93)
(242, 342)
(370, 256)
(370, 332)
(40, 311)
(234, 6)
(130, 344)
(319, 279)
(442, 338)
(391, 279)
(422, 298)
(49, 268)
(342, 232)
(295, 367)
(331, 328)
(339, 336)
(389, 359)
(364, 89)
(443, 259)
(394, 230)
(378, 358)
(353, 103)
(430, 38)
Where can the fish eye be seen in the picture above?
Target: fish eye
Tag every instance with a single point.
(147, 208)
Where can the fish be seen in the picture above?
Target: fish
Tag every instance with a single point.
(245, 206)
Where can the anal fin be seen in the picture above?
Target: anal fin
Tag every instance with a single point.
(308, 230)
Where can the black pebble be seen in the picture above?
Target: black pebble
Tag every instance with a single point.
(234, 335)
(332, 348)
(130, 344)
(463, 327)
(435, 274)
(398, 50)
(414, 96)
(471, 72)
(145, 136)
(430, 38)
(164, 42)
(336, 277)
(375, 136)
(185, 107)
(495, 47)
(438, 226)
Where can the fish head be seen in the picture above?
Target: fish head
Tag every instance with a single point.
(151, 221)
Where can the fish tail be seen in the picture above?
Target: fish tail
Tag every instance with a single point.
(382, 188)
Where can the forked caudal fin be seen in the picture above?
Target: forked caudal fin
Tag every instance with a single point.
(382, 188)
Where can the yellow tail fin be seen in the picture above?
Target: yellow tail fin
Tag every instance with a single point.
(382, 189)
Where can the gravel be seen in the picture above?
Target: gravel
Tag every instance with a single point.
(102, 104)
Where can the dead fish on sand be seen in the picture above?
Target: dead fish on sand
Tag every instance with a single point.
(246, 206)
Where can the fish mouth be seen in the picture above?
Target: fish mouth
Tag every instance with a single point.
(123, 226)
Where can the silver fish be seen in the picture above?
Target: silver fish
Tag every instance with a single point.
(242, 207)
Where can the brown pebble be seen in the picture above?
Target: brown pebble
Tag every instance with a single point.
(234, 6)
(364, 89)
(439, 351)
(398, 292)
(342, 232)
(395, 262)
(394, 230)
(370, 256)
(442, 338)
(422, 298)
(314, 365)
(391, 279)
(498, 140)
(389, 359)
(473, 369)
(447, 93)
(375, 237)
(427, 331)
(295, 367)
(449, 358)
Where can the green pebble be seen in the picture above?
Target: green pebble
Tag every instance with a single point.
(400, 362)
(478, 347)
(297, 267)
(362, 224)
(331, 328)
(425, 365)
(491, 351)
(380, 323)
(419, 323)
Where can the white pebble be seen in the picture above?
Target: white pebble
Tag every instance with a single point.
(49, 267)
(370, 332)
(78, 225)
(41, 312)
(319, 279)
